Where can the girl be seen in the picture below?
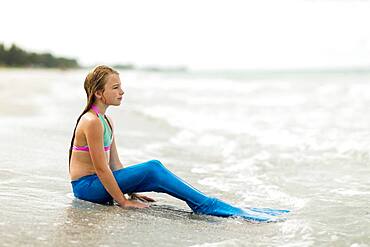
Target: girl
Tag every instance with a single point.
(98, 175)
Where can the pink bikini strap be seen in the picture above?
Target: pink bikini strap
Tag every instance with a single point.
(95, 109)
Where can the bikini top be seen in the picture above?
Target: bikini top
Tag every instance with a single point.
(108, 136)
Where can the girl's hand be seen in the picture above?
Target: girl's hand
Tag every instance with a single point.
(133, 204)
(141, 198)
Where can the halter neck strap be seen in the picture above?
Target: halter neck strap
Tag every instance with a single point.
(95, 109)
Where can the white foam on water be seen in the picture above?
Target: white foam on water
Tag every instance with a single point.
(225, 243)
(217, 183)
(349, 192)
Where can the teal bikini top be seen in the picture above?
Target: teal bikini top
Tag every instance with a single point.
(107, 131)
(108, 136)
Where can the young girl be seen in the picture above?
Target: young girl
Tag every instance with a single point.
(98, 175)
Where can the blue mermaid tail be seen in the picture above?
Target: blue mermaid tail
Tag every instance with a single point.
(154, 176)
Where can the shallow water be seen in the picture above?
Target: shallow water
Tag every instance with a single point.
(293, 141)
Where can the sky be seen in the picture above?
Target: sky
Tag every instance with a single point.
(198, 34)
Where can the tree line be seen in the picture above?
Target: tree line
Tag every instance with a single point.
(14, 56)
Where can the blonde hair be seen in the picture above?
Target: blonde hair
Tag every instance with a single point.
(94, 81)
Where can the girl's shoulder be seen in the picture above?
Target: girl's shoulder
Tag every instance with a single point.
(88, 116)
(88, 119)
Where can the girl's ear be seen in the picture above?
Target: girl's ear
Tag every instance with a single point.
(98, 94)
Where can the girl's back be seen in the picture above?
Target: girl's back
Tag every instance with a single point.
(81, 163)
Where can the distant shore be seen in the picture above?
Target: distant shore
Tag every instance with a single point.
(15, 56)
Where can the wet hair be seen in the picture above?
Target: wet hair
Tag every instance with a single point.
(95, 81)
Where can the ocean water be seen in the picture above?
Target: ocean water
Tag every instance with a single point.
(297, 141)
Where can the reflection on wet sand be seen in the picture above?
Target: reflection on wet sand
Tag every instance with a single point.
(86, 223)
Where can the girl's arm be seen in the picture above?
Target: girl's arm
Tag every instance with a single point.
(94, 136)
(114, 162)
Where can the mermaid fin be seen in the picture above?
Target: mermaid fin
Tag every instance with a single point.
(216, 207)
(270, 211)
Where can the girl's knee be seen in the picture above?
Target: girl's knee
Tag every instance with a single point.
(156, 168)
(156, 164)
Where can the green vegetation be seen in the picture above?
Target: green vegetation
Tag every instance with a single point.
(124, 66)
(17, 57)
(150, 68)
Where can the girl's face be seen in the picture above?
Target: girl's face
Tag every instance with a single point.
(113, 92)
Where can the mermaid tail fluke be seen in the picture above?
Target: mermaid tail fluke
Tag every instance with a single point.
(216, 207)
